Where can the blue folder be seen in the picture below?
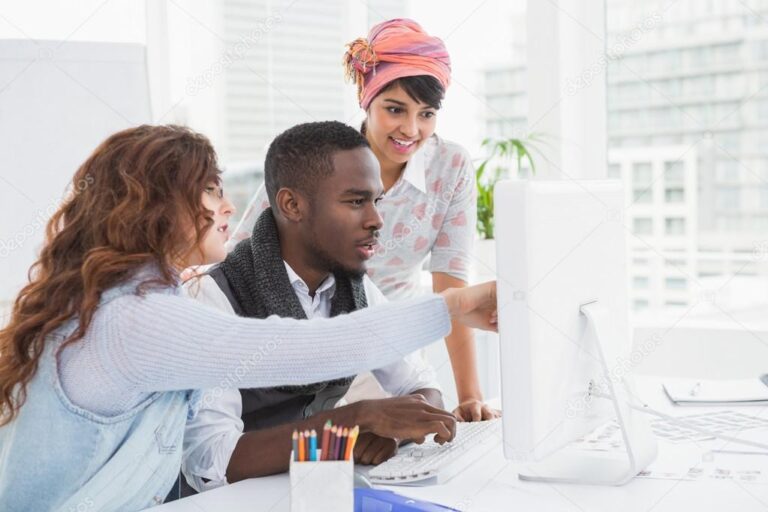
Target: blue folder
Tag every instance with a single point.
(376, 500)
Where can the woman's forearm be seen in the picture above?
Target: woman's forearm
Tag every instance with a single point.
(461, 350)
(460, 344)
(171, 343)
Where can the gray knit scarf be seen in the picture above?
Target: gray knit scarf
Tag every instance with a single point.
(257, 277)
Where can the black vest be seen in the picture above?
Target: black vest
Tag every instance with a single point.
(254, 280)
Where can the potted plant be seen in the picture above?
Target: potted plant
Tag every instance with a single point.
(504, 157)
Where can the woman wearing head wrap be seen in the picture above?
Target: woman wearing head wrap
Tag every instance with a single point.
(429, 208)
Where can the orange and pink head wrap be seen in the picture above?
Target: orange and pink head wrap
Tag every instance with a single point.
(394, 49)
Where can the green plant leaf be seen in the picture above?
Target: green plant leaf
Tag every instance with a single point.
(511, 152)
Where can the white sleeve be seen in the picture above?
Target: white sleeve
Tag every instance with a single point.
(211, 436)
(210, 439)
(406, 375)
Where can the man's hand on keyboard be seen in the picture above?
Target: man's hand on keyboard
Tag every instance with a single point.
(405, 417)
(373, 449)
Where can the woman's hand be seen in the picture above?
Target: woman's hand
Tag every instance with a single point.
(473, 306)
(475, 410)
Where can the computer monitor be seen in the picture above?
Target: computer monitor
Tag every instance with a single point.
(564, 332)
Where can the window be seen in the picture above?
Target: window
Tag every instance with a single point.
(729, 84)
(760, 50)
(641, 282)
(662, 117)
(697, 137)
(642, 195)
(675, 283)
(640, 304)
(698, 85)
(698, 57)
(642, 226)
(727, 198)
(674, 226)
(671, 88)
(642, 174)
(763, 198)
(674, 195)
(673, 172)
(727, 54)
(727, 170)
(762, 110)
(729, 141)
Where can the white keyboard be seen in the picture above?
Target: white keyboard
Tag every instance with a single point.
(433, 463)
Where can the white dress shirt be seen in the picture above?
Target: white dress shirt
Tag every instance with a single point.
(210, 438)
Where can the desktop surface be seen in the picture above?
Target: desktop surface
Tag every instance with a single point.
(491, 484)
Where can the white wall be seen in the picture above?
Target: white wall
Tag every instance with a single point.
(119, 21)
(59, 97)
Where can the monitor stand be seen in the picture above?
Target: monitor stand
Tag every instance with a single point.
(583, 467)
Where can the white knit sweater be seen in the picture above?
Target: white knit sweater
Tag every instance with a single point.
(137, 345)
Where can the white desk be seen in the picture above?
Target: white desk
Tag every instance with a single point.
(491, 484)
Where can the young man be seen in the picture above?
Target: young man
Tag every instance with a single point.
(307, 258)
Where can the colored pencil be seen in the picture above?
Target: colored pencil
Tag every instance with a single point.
(301, 446)
(351, 442)
(306, 445)
(313, 445)
(326, 439)
(332, 444)
(344, 442)
(295, 445)
(337, 452)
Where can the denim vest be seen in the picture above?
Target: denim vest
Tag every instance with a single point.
(57, 456)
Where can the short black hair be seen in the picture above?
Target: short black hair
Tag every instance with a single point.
(422, 88)
(301, 156)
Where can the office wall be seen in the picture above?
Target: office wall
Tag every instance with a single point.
(58, 100)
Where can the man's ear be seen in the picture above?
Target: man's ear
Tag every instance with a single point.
(290, 204)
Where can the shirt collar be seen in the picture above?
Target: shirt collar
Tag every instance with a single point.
(329, 285)
(415, 169)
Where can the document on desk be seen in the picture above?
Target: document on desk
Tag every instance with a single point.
(746, 469)
(716, 392)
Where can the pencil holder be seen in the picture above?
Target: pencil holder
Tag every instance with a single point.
(322, 485)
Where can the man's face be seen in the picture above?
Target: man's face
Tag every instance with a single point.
(343, 224)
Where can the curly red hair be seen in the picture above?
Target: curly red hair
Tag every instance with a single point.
(136, 200)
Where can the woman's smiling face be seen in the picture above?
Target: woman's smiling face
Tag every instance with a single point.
(398, 125)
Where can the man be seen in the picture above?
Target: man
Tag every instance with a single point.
(306, 257)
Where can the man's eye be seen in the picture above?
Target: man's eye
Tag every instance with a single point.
(357, 202)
